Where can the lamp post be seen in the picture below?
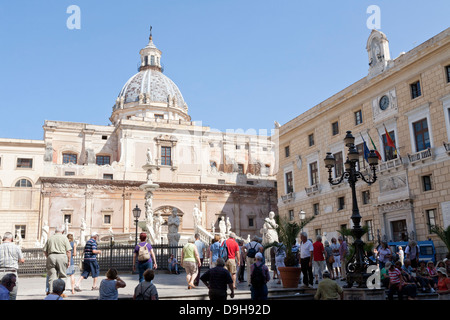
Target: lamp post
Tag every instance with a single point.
(136, 214)
(356, 266)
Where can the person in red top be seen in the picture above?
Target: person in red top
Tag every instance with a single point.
(233, 256)
(319, 264)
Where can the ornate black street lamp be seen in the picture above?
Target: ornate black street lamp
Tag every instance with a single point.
(356, 266)
(136, 214)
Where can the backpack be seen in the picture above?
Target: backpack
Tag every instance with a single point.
(143, 254)
(257, 278)
(252, 252)
(141, 295)
(223, 252)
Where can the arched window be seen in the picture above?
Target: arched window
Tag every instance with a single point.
(23, 183)
(22, 197)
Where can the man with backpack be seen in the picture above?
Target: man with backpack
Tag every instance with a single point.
(259, 276)
(144, 255)
(250, 251)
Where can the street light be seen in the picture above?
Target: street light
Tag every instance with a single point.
(136, 214)
(357, 264)
(302, 215)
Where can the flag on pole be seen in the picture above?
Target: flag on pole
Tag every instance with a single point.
(374, 148)
(366, 149)
(389, 140)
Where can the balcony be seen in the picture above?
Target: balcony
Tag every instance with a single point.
(390, 165)
(288, 197)
(312, 190)
(420, 156)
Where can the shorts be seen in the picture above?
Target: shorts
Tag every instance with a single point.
(190, 267)
(231, 266)
(90, 268)
(337, 262)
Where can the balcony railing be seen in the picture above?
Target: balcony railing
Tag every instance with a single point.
(420, 156)
(287, 197)
(312, 190)
(390, 164)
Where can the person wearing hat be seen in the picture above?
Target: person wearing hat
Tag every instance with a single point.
(90, 263)
(259, 276)
(443, 284)
(328, 289)
(250, 250)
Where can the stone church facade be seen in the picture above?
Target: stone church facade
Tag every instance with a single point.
(407, 97)
(94, 172)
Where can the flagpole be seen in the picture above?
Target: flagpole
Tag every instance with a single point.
(384, 149)
(374, 147)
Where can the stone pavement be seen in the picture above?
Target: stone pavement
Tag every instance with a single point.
(170, 287)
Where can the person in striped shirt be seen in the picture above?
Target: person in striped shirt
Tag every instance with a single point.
(90, 263)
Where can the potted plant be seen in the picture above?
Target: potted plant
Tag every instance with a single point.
(288, 232)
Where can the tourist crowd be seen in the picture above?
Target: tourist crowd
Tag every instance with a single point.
(401, 273)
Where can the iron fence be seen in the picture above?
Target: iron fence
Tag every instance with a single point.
(119, 256)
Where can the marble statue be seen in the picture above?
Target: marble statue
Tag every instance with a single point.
(222, 227)
(44, 236)
(18, 238)
(148, 204)
(149, 156)
(269, 230)
(158, 222)
(173, 223)
(228, 225)
(197, 216)
(213, 228)
(83, 232)
(66, 226)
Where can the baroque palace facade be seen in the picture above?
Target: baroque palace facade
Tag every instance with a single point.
(408, 98)
(85, 173)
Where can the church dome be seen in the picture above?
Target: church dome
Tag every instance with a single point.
(150, 90)
(151, 85)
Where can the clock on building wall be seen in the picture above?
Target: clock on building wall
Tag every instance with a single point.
(384, 102)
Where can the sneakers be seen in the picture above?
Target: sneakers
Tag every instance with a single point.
(77, 289)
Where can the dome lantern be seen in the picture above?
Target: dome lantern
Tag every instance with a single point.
(150, 56)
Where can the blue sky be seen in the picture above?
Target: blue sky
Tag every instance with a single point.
(239, 64)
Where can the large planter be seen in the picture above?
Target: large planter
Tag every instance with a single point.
(290, 276)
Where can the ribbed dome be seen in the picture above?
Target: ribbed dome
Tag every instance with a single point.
(154, 86)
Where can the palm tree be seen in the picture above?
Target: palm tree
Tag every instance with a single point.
(443, 234)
